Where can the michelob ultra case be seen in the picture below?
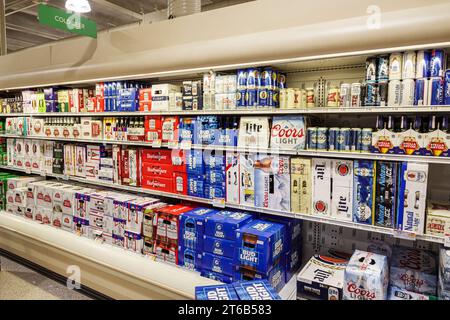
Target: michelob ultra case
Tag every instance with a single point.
(301, 185)
(412, 193)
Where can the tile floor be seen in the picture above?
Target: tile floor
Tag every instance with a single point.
(20, 283)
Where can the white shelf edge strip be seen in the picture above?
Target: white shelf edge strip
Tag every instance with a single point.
(300, 216)
(169, 277)
(310, 153)
(242, 111)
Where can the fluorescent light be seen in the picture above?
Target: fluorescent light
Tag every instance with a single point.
(79, 6)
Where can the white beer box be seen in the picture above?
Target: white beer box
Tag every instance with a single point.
(20, 211)
(438, 215)
(247, 179)
(40, 192)
(10, 197)
(321, 187)
(80, 161)
(342, 190)
(68, 199)
(161, 96)
(254, 132)
(20, 182)
(19, 148)
(69, 159)
(91, 170)
(20, 196)
(48, 148)
(108, 225)
(36, 155)
(28, 153)
(288, 133)
(38, 214)
(67, 220)
(29, 212)
(47, 216)
(37, 127)
(57, 218)
(10, 150)
(232, 177)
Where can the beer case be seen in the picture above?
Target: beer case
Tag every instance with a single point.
(342, 189)
(385, 194)
(414, 270)
(192, 228)
(276, 276)
(384, 141)
(223, 224)
(232, 175)
(301, 185)
(220, 292)
(364, 191)
(272, 182)
(321, 187)
(288, 133)
(189, 258)
(194, 162)
(438, 215)
(219, 247)
(254, 132)
(259, 245)
(196, 185)
(218, 264)
(412, 192)
(436, 143)
(216, 276)
(322, 278)
(396, 293)
(366, 277)
(247, 179)
(256, 290)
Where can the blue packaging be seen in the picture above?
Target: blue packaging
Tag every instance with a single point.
(223, 224)
(219, 247)
(218, 264)
(206, 128)
(51, 106)
(214, 160)
(215, 176)
(241, 101)
(187, 130)
(192, 228)
(423, 64)
(214, 191)
(256, 290)
(216, 276)
(447, 87)
(226, 137)
(343, 139)
(220, 292)
(251, 97)
(322, 139)
(419, 92)
(333, 139)
(293, 228)
(436, 91)
(242, 78)
(363, 191)
(293, 263)
(372, 95)
(189, 258)
(437, 63)
(259, 244)
(276, 276)
(194, 162)
(311, 138)
(196, 185)
(385, 193)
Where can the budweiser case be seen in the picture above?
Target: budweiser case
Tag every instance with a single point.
(272, 182)
(301, 185)
(412, 191)
(363, 191)
(342, 189)
(321, 187)
(322, 278)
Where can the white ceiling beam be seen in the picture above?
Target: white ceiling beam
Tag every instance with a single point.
(118, 8)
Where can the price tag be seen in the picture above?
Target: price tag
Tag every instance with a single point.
(43, 173)
(172, 144)
(65, 177)
(447, 234)
(219, 202)
(404, 235)
(186, 144)
(156, 143)
(28, 170)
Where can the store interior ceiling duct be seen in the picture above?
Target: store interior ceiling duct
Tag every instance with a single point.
(78, 6)
(229, 37)
(179, 8)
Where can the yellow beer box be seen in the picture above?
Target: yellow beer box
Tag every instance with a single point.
(438, 214)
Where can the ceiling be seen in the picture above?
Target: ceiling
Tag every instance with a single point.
(23, 29)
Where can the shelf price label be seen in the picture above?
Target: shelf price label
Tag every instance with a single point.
(156, 143)
(43, 173)
(28, 170)
(400, 234)
(186, 144)
(172, 144)
(65, 177)
(219, 202)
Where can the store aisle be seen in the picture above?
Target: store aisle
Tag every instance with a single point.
(20, 283)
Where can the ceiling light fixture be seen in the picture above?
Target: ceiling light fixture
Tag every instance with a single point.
(79, 6)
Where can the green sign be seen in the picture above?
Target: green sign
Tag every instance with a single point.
(63, 20)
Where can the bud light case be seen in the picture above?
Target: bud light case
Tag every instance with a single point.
(363, 191)
(219, 247)
(259, 244)
(414, 270)
(192, 227)
(223, 224)
(216, 276)
(189, 258)
(276, 276)
(218, 264)
(220, 292)
(322, 278)
(195, 164)
(256, 290)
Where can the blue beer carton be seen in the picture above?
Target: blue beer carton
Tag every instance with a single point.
(194, 162)
(220, 292)
(256, 290)
(385, 193)
(207, 127)
(214, 191)
(196, 185)
(259, 244)
(276, 276)
(293, 228)
(223, 224)
(219, 247)
(218, 264)
(188, 129)
(189, 258)
(363, 191)
(192, 228)
(216, 276)
(214, 160)
(215, 176)
(293, 263)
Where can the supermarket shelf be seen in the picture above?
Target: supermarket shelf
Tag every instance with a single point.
(245, 111)
(309, 153)
(112, 271)
(307, 217)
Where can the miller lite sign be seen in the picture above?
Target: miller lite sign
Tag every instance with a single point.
(288, 133)
(254, 132)
(342, 189)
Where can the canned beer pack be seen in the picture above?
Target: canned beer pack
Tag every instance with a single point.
(385, 193)
(256, 290)
(321, 186)
(363, 191)
(342, 189)
(192, 227)
(412, 193)
(223, 224)
(220, 292)
(301, 185)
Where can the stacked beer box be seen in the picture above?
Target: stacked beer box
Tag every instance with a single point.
(402, 274)
(249, 290)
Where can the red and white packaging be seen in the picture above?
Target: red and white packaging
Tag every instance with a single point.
(100, 95)
(166, 252)
(117, 164)
(80, 161)
(131, 167)
(175, 157)
(133, 241)
(342, 192)
(180, 183)
(167, 223)
(156, 169)
(28, 153)
(69, 159)
(157, 183)
(321, 186)
(135, 213)
(93, 153)
(170, 129)
(153, 128)
(36, 155)
(145, 99)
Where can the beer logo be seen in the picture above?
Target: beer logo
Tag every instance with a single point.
(37, 127)
(56, 132)
(437, 146)
(320, 206)
(384, 144)
(343, 169)
(66, 133)
(409, 145)
(76, 133)
(48, 132)
(360, 293)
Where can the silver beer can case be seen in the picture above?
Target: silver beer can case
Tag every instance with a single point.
(395, 93)
(409, 65)
(395, 66)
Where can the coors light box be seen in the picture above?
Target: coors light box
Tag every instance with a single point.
(288, 133)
